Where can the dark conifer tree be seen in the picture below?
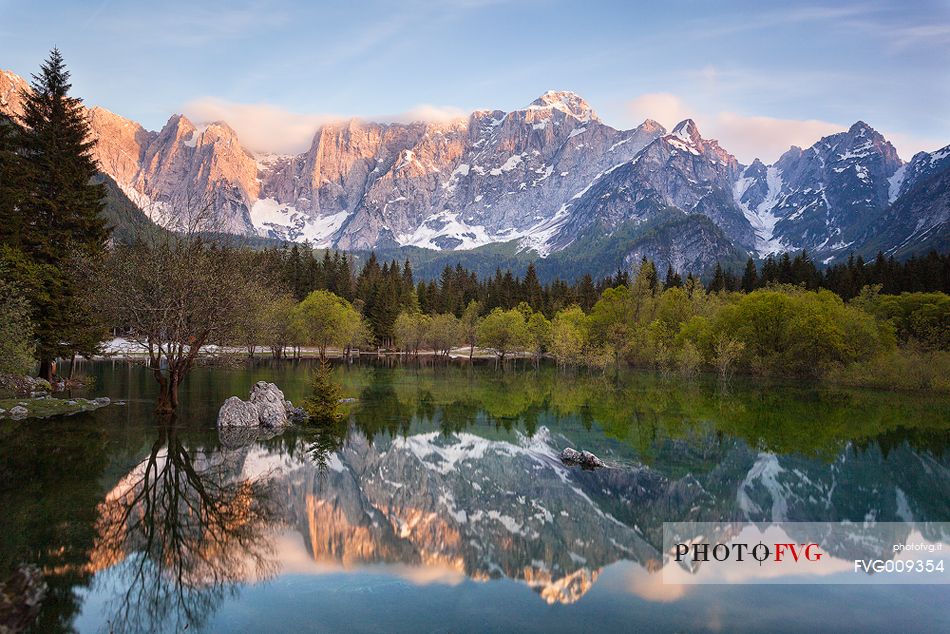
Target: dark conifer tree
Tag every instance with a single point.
(532, 291)
(750, 277)
(718, 282)
(769, 271)
(673, 279)
(586, 293)
(61, 211)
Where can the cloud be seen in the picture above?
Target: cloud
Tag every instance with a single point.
(425, 112)
(766, 137)
(908, 144)
(747, 137)
(270, 128)
(664, 107)
(261, 127)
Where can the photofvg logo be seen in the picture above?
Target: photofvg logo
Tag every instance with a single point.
(806, 552)
(760, 552)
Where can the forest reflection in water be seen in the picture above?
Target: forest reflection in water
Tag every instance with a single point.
(443, 473)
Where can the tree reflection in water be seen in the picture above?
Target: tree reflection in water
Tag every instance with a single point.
(180, 533)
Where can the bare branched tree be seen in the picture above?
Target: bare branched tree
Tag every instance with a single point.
(174, 293)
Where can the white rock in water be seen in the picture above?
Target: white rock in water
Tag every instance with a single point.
(270, 403)
(238, 413)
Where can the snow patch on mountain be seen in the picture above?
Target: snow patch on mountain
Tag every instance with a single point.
(762, 218)
(444, 230)
(894, 183)
(271, 218)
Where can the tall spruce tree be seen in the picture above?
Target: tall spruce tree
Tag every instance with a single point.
(750, 277)
(61, 211)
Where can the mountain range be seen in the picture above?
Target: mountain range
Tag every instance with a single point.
(549, 181)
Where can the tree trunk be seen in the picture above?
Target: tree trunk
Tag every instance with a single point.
(47, 369)
(167, 401)
(471, 352)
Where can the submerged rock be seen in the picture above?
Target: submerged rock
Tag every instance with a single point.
(584, 459)
(237, 437)
(265, 408)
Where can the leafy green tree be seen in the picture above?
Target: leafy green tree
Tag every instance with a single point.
(569, 335)
(328, 321)
(796, 332)
(411, 331)
(504, 331)
(922, 318)
(540, 329)
(445, 332)
(613, 319)
(280, 330)
(469, 325)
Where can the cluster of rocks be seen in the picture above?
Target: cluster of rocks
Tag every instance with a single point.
(584, 459)
(30, 386)
(46, 405)
(266, 407)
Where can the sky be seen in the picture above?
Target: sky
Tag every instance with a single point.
(758, 76)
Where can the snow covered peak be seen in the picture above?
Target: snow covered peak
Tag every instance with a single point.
(688, 132)
(567, 102)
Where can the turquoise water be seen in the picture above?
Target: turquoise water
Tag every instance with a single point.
(438, 505)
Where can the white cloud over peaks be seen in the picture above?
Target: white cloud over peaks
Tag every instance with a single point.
(425, 112)
(260, 127)
(664, 107)
(750, 137)
(766, 138)
(270, 128)
(747, 137)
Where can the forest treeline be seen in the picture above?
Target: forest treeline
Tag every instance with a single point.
(793, 328)
(303, 270)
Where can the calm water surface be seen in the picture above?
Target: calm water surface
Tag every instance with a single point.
(439, 504)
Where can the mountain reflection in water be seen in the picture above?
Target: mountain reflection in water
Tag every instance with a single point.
(446, 475)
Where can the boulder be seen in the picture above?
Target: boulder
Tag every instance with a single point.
(238, 413)
(18, 411)
(583, 459)
(266, 407)
(102, 401)
(270, 403)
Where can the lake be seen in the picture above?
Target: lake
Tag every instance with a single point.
(440, 505)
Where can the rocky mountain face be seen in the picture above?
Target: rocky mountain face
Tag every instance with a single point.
(547, 178)
(919, 217)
